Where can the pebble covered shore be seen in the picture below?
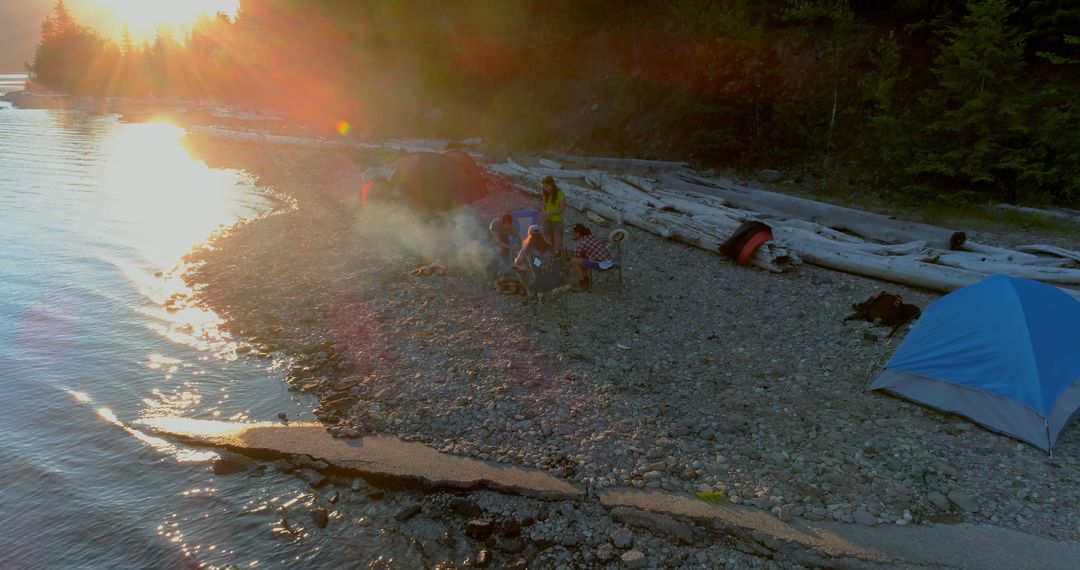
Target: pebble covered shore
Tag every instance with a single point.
(697, 376)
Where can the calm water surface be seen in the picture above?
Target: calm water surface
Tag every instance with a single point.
(95, 216)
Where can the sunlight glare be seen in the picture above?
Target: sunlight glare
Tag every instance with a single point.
(168, 203)
(144, 17)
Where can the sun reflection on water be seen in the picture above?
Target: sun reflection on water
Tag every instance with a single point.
(168, 202)
(164, 205)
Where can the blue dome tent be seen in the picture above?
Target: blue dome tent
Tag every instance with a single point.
(1004, 353)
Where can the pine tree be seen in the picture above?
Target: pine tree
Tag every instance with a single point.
(127, 45)
(977, 114)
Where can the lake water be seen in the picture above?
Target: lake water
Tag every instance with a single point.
(12, 81)
(95, 216)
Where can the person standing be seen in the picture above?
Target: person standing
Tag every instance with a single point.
(501, 230)
(554, 206)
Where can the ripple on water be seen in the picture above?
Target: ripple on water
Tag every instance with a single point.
(93, 229)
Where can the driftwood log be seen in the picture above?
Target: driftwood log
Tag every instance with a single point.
(919, 255)
(866, 224)
(1056, 213)
(623, 203)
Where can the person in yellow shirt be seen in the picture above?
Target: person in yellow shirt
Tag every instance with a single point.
(554, 206)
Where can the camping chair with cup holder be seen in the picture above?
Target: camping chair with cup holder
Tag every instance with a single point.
(614, 245)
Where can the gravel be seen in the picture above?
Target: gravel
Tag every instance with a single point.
(698, 375)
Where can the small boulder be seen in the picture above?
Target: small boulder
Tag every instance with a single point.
(478, 529)
(963, 501)
(939, 500)
(320, 516)
(510, 528)
(622, 538)
(465, 507)
(313, 478)
(634, 559)
(864, 518)
(483, 558)
(229, 463)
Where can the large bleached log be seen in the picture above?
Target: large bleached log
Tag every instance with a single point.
(702, 200)
(910, 270)
(1052, 250)
(627, 192)
(794, 235)
(1056, 275)
(560, 174)
(997, 251)
(866, 224)
(706, 221)
(625, 204)
(1056, 213)
(966, 257)
(772, 256)
(906, 269)
(604, 162)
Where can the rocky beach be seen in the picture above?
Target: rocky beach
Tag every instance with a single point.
(696, 376)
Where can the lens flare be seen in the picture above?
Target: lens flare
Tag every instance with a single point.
(343, 127)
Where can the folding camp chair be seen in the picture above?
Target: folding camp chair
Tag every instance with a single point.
(543, 278)
(614, 245)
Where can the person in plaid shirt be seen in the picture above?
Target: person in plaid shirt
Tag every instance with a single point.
(590, 254)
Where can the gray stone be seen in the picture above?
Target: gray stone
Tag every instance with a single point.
(963, 501)
(465, 507)
(283, 466)
(229, 463)
(864, 518)
(320, 516)
(510, 528)
(313, 478)
(939, 500)
(622, 538)
(634, 559)
(478, 529)
(763, 502)
(483, 558)
(307, 462)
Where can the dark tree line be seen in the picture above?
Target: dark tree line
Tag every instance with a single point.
(937, 98)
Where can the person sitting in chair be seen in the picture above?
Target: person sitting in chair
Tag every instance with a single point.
(590, 254)
(537, 266)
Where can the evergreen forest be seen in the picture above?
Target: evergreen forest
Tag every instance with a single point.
(928, 100)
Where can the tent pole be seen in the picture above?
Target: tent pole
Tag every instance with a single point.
(1049, 444)
(874, 366)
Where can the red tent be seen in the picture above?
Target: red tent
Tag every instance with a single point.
(435, 182)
